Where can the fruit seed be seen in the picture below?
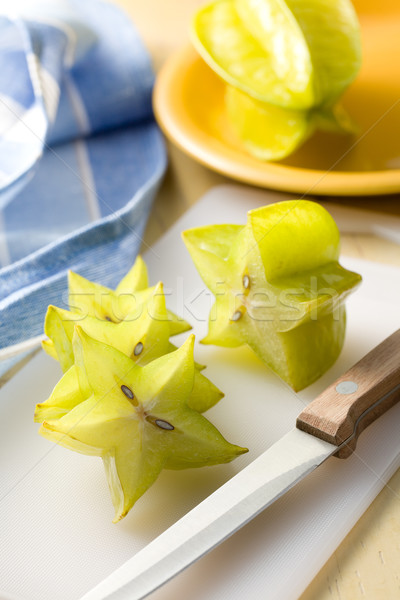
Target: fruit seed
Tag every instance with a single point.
(164, 425)
(138, 349)
(246, 282)
(237, 315)
(129, 394)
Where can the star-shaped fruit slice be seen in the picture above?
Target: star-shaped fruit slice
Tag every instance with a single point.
(279, 287)
(137, 419)
(142, 338)
(131, 294)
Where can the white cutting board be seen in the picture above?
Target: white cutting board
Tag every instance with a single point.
(56, 536)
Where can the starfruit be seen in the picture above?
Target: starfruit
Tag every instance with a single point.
(142, 337)
(279, 287)
(94, 300)
(270, 132)
(296, 54)
(286, 64)
(130, 295)
(136, 418)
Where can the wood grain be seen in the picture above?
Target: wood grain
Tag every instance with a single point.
(341, 413)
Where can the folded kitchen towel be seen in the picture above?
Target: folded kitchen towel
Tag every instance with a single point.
(80, 154)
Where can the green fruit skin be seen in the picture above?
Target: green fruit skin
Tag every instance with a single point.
(293, 313)
(297, 54)
(309, 350)
(299, 355)
(267, 132)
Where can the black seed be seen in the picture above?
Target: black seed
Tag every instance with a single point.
(138, 349)
(236, 315)
(128, 392)
(246, 282)
(164, 424)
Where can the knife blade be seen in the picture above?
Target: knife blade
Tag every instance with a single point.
(330, 425)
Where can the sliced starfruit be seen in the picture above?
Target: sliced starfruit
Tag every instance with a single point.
(141, 338)
(131, 294)
(137, 418)
(279, 287)
(65, 396)
(296, 54)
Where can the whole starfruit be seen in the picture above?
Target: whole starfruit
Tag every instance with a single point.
(286, 65)
(279, 287)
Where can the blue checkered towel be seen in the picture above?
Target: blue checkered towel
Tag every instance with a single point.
(80, 155)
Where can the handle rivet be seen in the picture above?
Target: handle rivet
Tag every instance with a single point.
(346, 387)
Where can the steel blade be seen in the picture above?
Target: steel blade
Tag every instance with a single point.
(216, 518)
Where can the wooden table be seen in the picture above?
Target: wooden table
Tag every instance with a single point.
(366, 565)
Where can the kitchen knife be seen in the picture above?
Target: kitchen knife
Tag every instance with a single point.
(329, 425)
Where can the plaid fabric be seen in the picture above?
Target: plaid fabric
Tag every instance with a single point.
(80, 155)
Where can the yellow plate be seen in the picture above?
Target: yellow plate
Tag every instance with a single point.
(189, 106)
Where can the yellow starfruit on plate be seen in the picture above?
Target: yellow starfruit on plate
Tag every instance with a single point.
(270, 132)
(278, 287)
(296, 54)
(137, 418)
(286, 63)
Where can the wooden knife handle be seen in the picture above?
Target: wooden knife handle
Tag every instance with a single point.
(356, 399)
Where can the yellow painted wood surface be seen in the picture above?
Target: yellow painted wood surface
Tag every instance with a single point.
(366, 566)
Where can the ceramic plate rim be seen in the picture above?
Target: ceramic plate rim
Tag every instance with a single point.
(177, 126)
